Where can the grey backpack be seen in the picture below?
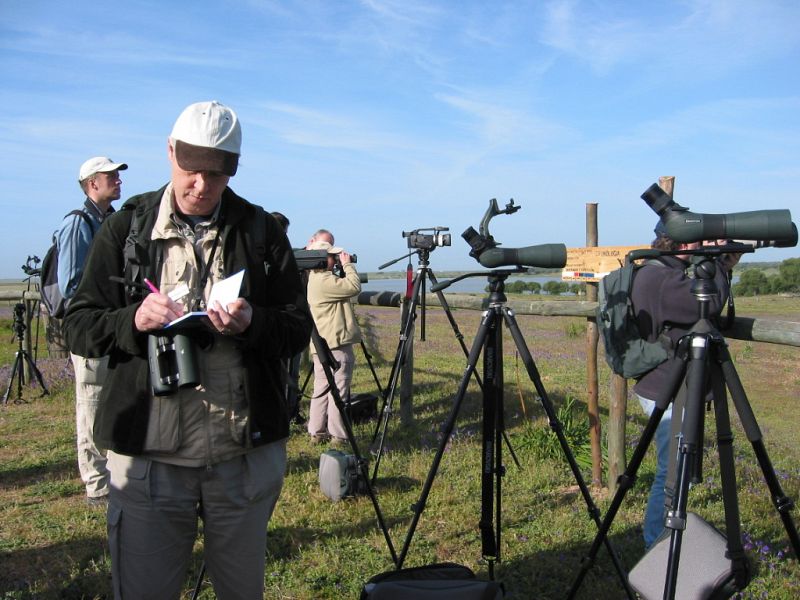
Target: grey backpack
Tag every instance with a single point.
(339, 475)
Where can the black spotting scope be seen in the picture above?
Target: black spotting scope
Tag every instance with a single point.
(757, 227)
(485, 250)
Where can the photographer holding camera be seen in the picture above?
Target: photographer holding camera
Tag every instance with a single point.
(214, 449)
(329, 292)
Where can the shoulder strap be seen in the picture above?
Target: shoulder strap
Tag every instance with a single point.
(258, 237)
(134, 254)
(82, 213)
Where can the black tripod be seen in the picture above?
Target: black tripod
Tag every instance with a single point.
(489, 339)
(329, 365)
(424, 273)
(22, 355)
(705, 364)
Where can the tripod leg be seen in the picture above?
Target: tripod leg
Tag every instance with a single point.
(628, 477)
(491, 456)
(460, 337)
(739, 564)
(399, 359)
(326, 359)
(406, 330)
(477, 345)
(555, 425)
(368, 357)
(783, 504)
(37, 373)
(15, 370)
(690, 446)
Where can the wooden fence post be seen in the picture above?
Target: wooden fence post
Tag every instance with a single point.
(619, 401)
(592, 337)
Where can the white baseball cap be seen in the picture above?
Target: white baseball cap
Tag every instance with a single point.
(207, 137)
(99, 164)
(321, 245)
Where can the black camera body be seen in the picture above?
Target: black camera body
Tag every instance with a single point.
(312, 260)
(173, 363)
(427, 241)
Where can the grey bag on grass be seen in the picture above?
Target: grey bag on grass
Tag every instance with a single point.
(339, 475)
(704, 571)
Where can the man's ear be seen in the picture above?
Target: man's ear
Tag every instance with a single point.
(170, 150)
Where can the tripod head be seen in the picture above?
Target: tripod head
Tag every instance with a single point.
(31, 266)
(703, 261)
(19, 321)
(496, 278)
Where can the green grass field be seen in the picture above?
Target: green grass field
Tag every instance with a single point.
(52, 545)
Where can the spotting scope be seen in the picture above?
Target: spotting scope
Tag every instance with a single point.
(758, 227)
(485, 249)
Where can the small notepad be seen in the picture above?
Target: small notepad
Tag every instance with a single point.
(224, 291)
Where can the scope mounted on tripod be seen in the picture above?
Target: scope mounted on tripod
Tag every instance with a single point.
(758, 227)
(485, 249)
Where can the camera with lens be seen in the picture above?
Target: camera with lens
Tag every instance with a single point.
(758, 228)
(427, 241)
(485, 249)
(312, 260)
(173, 362)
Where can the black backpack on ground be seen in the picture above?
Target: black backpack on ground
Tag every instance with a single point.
(440, 581)
(52, 299)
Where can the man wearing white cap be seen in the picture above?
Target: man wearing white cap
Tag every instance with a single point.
(100, 181)
(329, 297)
(212, 444)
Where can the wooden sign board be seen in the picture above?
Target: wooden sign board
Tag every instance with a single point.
(592, 264)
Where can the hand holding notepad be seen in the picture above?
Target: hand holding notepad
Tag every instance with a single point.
(224, 291)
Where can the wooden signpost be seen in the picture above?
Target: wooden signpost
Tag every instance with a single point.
(594, 263)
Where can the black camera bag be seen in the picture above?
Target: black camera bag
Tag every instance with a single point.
(361, 407)
(441, 581)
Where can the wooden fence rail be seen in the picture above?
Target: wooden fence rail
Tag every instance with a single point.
(773, 331)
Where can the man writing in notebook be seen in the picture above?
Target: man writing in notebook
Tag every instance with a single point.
(215, 449)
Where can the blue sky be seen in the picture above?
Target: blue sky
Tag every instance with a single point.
(375, 117)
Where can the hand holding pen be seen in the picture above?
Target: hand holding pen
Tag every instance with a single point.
(156, 310)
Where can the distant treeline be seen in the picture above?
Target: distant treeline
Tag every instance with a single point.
(755, 281)
(552, 288)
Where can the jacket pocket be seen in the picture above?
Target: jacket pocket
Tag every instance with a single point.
(164, 425)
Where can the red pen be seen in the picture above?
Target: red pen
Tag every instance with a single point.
(150, 286)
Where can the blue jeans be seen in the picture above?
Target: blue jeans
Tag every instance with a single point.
(654, 513)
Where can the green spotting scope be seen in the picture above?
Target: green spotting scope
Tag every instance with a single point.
(764, 227)
(485, 249)
(546, 256)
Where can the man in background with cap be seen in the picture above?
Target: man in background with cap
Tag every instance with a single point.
(329, 299)
(214, 449)
(665, 309)
(100, 181)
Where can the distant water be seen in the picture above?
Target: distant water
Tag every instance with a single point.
(471, 285)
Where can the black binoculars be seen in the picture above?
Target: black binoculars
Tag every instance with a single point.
(173, 363)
